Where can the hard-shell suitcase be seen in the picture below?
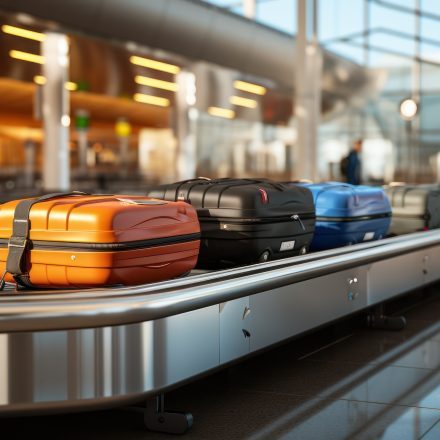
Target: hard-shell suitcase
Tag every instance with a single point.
(81, 240)
(348, 214)
(244, 221)
(415, 208)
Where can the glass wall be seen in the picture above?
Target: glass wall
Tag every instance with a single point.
(400, 47)
(278, 14)
(398, 42)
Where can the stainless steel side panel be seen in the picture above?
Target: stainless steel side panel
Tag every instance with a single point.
(52, 370)
(431, 264)
(285, 312)
(394, 276)
(235, 317)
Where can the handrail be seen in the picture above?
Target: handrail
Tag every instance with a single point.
(171, 285)
(136, 304)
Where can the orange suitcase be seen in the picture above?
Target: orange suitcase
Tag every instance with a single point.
(82, 240)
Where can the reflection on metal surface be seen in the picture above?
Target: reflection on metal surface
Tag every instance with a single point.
(24, 33)
(26, 56)
(153, 64)
(221, 112)
(4, 371)
(249, 87)
(150, 99)
(66, 369)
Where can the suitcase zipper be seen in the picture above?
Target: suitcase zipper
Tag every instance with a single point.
(297, 218)
(129, 245)
(353, 219)
(247, 221)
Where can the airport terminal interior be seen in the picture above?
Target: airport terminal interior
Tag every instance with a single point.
(220, 219)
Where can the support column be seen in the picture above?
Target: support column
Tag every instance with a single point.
(186, 116)
(307, 95)
(415, 163)
(250, 9)
(56, 120)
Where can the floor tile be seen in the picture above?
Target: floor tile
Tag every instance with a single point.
(429, 311)
(340, 420)
(433, 433)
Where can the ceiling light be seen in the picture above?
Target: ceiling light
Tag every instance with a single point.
(221, 112)
(25, 56)
(149, 99)
(243, 102)
(41, 80)
(157, 83)
(408, 109)
(71, 86)
(249, 87)
(153, 64)
(24, 33)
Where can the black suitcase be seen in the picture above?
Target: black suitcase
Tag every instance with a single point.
(244, 221)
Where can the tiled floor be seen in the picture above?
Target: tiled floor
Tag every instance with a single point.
(364, 384)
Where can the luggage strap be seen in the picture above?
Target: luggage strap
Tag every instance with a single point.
(17, 263)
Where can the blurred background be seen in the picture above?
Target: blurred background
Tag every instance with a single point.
(112, 95)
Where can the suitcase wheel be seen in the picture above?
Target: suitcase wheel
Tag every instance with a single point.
(303, 250)
(264, 257)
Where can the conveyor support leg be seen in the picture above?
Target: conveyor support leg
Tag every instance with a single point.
(378, 320)
(159, 420)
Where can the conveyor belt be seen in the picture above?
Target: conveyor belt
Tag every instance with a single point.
(103, 347)
(50, 310)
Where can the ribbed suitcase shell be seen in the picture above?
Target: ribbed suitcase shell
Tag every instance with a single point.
(348, 214)
(245, 220)
(87, 241)
(415, 208)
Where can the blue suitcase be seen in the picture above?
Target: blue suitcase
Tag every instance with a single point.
(348, 214)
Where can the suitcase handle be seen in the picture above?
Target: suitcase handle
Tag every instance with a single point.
(16, 263)
(182, 182)
(341, 185)
(278, 186)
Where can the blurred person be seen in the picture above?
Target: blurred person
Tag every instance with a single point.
(351, 164)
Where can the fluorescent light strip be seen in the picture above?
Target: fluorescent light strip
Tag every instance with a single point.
(153, 100)
(71, 86)
(24, 33)
(243, 102)
(249, 87)
(157, 83)
(153, 64)
(221, 112)
(25, 56)
(41, 80)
